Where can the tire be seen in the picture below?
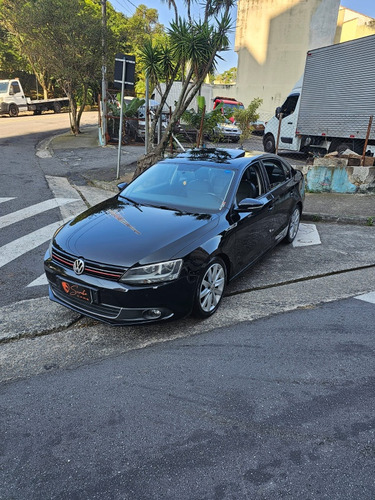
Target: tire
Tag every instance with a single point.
(210, 289)
(340, 147)
(57, 107)
(269, 143)
(293, 225)
(13, 110)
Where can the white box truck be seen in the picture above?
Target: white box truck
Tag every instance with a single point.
(13, 100)
(330, 107)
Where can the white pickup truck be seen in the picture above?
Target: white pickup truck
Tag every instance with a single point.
(13, 100)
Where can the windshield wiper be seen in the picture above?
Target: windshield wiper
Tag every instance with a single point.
(134, 203)
(165, 207)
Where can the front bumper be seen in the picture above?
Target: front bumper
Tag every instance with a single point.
(4, 108)
(119, 304)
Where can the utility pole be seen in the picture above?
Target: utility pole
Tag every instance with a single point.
(104, 70)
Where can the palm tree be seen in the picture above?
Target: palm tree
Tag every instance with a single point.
(192, 52)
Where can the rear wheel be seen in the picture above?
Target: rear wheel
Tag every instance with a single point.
(210, 289)
(56, 107)
(269, 143)
(293, 226)
(13, 110)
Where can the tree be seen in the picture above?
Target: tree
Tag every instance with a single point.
(191, 50)
(245, 118)
(11, 62)
(60, 38)
(229, 76)
(207, 121)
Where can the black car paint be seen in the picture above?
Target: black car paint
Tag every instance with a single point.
(157, 234)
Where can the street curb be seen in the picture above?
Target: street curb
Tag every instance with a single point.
(43, 150)
(34, 317)
(316, 217)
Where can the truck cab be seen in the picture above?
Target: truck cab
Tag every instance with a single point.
(289, 110)
(12, 97)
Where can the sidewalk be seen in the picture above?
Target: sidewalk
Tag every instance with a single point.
(84, 161)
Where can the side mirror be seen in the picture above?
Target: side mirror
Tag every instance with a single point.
(249, 204)
(122, 185)
(277, 112)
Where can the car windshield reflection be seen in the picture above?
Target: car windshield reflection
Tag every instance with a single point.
(190, 188)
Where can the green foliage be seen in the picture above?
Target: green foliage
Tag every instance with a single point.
(191, 52)
(129, 109)
(211, 119)
(60, 38)
(229, 76)
(370, 221)
(246, 117)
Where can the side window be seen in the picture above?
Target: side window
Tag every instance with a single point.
(289, 105)
(16, 88)
(277, 172)
(250, 185)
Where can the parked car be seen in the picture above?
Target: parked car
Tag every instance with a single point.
(226, 131)
(172, 239)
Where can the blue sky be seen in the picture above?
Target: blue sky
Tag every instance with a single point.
(366, 7)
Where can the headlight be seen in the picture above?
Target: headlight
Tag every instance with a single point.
(153, 273)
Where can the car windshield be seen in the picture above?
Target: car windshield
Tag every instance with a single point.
(3, 87)
(190, 187)
(234, 105)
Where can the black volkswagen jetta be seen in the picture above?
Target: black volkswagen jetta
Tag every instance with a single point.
(170, 241)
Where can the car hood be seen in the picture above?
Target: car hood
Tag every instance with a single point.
(122, 234)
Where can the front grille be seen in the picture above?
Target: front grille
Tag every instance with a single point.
(104, 271)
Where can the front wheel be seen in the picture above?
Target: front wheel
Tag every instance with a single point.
(210, 289)
(269, 143)
(293, 226)
(13, 110)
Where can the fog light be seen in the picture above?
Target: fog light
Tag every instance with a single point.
(152, 314)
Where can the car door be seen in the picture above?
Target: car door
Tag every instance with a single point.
(18, 96)
(280, 185)
(251, 226)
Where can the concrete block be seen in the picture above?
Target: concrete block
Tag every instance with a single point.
(329, 179)
(330, 161)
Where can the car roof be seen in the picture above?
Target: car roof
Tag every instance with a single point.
(236, 159)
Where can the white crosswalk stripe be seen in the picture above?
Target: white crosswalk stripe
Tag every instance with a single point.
(3, 200)
(20, 246)
(12, 218)
(42, 280)
(367, 297)
(307, 235)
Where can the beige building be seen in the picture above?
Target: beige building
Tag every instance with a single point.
(352, 25)
(273, 37)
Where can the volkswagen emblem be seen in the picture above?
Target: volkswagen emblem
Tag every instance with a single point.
(78, 266)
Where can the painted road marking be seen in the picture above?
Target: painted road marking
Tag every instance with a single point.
(20, 246)
(42, 280)
(367, 297)
(307, 235)
(3, 200)
(24, 213)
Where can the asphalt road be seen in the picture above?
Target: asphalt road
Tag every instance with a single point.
(275, 408)
(271, 397)
(23, 188)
